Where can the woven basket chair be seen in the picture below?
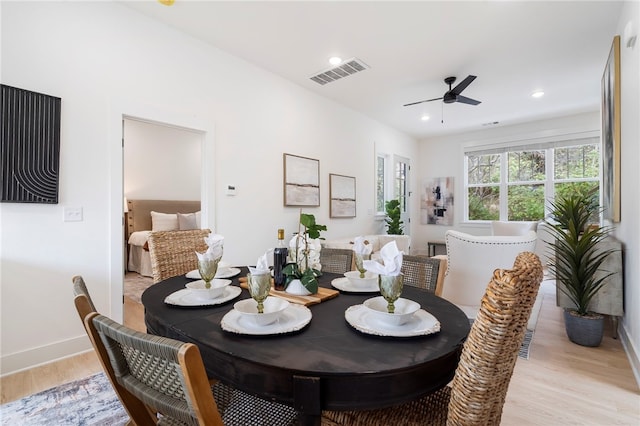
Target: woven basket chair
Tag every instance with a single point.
(138, 412)
(169, 377)
(423, 272)
(479, 387)
(337, 261)
(173, 252)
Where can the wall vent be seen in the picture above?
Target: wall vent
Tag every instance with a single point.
(347, 68)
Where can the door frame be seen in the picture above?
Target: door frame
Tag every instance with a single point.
(161, 115)
(406, 215)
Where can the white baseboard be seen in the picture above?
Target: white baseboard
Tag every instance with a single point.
(630, 350)
(31, 358)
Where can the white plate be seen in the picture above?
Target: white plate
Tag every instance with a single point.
(222, 273)
(420, 324)
(294, 318)
(186, 297)
(344, 284)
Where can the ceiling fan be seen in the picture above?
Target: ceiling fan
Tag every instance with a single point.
(453, 95)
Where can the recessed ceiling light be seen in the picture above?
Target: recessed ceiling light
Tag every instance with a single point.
(537, 94)
(334, 60)
(425, 117)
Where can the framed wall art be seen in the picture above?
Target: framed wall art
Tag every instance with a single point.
(436, 201)
(611, 134)
(30, 146)
(342, 196)
(301, 181)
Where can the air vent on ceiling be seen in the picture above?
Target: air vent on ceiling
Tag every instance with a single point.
(347, 68)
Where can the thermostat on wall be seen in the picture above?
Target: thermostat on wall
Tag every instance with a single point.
(230, 190)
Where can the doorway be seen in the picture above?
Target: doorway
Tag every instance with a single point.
(158, 165)
(126, 109)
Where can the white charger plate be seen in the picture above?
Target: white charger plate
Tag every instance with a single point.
(293, 318)
(421, 323)
(222, 273)
(186, 297)
(344, 284)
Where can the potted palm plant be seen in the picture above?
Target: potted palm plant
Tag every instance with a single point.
(577, 262)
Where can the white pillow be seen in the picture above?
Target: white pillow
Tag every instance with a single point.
(164, 221)
(198, 219)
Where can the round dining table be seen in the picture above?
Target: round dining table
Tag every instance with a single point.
(326, 365)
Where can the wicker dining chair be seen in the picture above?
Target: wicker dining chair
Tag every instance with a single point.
(169, 377)
(423, 272)
(337, 261)
(173, 252)
(138, 412)
(477, 393)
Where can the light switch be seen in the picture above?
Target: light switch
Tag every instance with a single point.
(73, 214)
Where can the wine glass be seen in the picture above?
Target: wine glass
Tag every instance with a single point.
(390, 288)
(360, 264)
(208, 269)
(259, 287)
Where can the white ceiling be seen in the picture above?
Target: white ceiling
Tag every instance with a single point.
(512, 47)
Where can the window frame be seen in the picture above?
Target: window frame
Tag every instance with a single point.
(548, 146)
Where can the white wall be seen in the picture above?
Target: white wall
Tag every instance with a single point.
(99, 56)
(628, 230)
(161, 162)
(442, 157)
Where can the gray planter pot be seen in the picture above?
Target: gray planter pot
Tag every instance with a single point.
(584, 331)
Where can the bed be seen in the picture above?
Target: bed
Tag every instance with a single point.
(168, 215)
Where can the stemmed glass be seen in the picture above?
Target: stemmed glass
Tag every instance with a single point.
(360, 264)
(259, 287)
(208, 269)
(390, 288)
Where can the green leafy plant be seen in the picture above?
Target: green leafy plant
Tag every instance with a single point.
(300, 268)
(394, 224)
(576, 258)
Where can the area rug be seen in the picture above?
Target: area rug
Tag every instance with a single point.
(135, 284)
(85, 402)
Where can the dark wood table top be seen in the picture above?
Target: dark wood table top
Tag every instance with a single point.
(326, 365)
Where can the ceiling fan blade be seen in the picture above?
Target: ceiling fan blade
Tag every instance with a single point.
(463, 85)
(419, 102)
(465, 100)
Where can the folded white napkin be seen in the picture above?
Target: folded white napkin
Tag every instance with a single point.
(360, 247)
(262, 266)
(391, 261)
(214, 251)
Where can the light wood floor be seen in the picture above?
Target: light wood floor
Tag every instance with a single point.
(560, 384)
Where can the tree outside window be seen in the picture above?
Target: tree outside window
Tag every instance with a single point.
(514, 184)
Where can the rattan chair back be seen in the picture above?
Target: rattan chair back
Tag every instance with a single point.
(138, 412)
(173, 252)
(337, 261)
(82, 299)
(169, 377)
(165, 374)
(423, 272)
(489, 354)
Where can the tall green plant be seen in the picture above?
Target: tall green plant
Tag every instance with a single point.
(394, 224)
(577, 258)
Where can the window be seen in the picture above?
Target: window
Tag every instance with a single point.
(514, 183)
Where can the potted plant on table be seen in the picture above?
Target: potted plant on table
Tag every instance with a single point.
(394, 224)
(577, 263)
(305, 255)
